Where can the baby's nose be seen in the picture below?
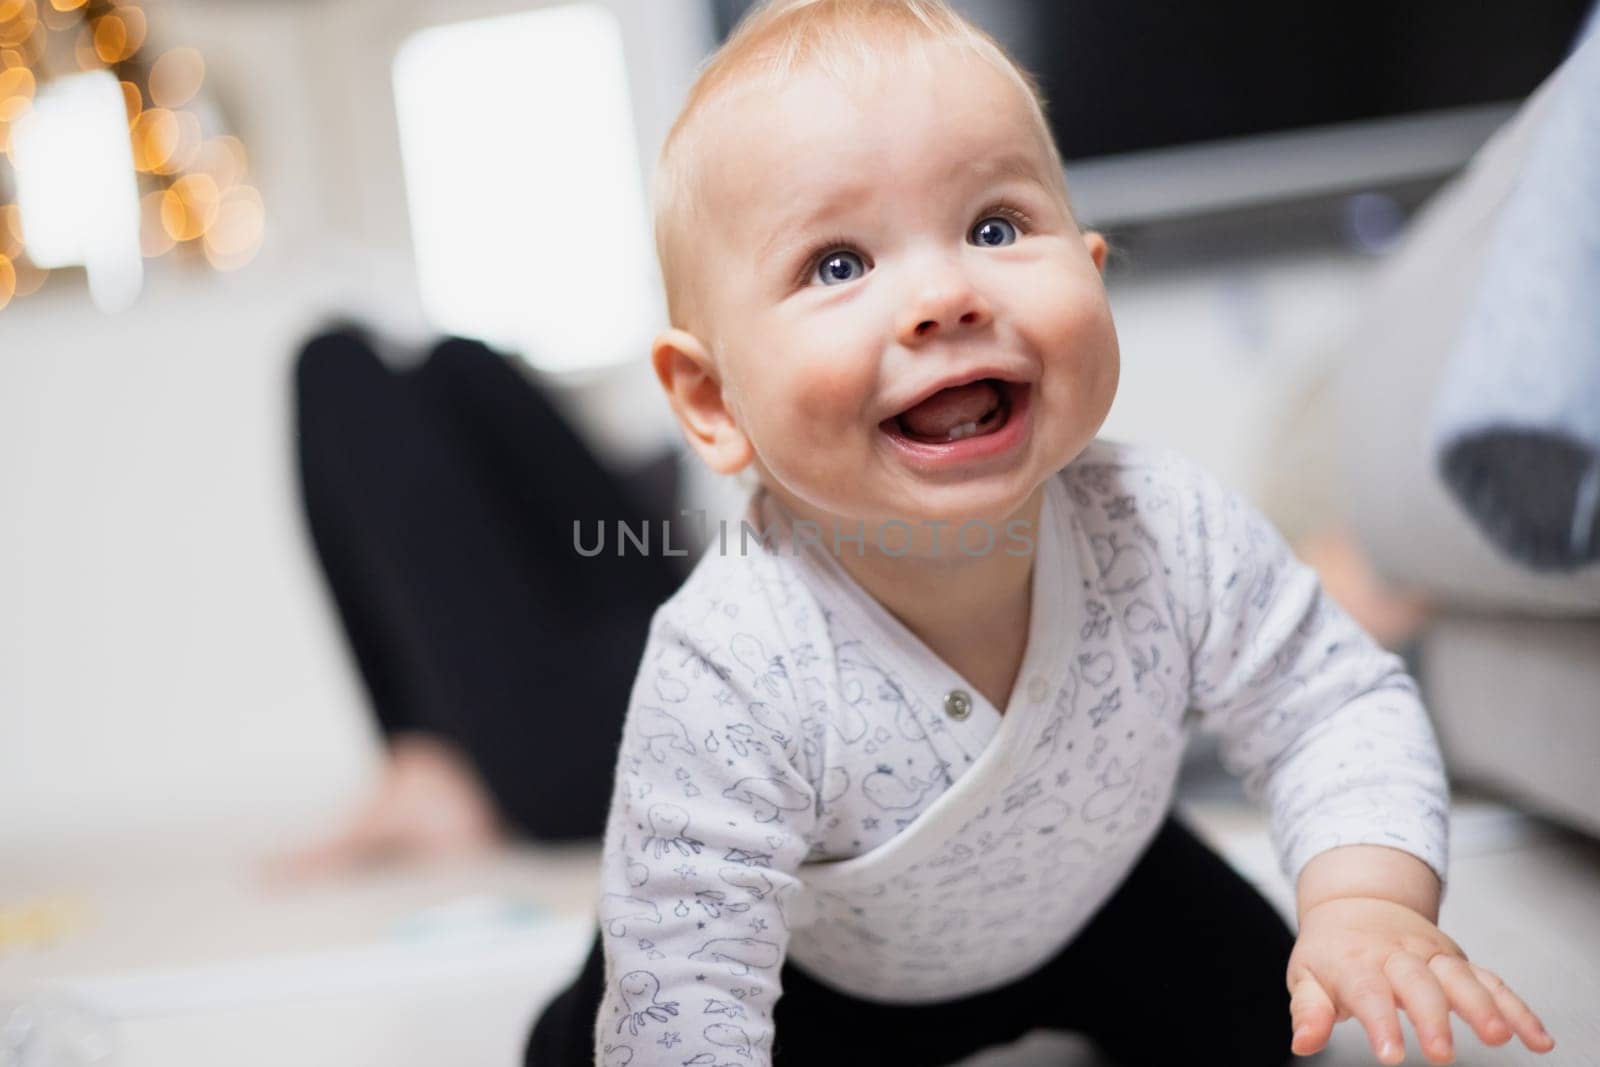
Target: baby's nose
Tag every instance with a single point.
(941, 310)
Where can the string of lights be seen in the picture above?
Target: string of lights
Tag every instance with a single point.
(195, 202)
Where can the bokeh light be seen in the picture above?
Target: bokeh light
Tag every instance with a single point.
(53, 17)
(235, 237)
(83, 51)
(20, 24)
(30, 279)
(133, 99)
(184, 148)
(195, 184)
(33, 48)
(154, 135)
(118, 35)
(154, 240)
(16, 93)
(176, 76)
(133, 18)
(110, 38)
(10, 231)
(223, 158)
(190, 207)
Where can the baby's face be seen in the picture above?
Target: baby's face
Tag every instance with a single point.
(877, 244)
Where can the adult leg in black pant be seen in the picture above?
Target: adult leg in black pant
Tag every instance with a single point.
(1186, 961)
(441, 502)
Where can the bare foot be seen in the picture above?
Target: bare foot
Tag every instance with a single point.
(429, 805)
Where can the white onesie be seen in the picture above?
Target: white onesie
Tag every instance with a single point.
(800, 776)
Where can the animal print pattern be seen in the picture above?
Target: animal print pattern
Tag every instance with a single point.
(789, 786)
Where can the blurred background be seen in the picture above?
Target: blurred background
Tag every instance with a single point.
(235, 236)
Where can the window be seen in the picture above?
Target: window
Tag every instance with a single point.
(523, 182)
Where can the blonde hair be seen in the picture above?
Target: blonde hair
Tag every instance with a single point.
(840, 37)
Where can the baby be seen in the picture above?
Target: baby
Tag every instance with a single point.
(902, 750)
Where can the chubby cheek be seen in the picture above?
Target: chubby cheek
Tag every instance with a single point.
(1095, 359)
(1077, 341)
(811, 413)
(822, 384)
(829, 396)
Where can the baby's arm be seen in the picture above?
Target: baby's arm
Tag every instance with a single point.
(708, 824)
(1326, 726)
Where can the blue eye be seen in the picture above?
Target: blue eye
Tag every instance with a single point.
(840, 267)
(993, 232)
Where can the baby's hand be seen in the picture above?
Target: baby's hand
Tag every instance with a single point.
(1359, 955)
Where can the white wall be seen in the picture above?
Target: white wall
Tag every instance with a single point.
(168, 654)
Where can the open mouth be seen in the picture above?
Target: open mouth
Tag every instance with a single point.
(975, 409)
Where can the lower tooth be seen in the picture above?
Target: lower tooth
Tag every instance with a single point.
(966, 429)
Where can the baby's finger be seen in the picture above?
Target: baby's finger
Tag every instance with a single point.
(1368, 997)
(1425, 1002)
(1523, 1021)
(1470, 999)
(1312, 1014)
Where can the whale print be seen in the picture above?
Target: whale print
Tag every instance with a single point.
(617, 912)
(886, 788)
(1123, 567)
(739, 954)
(663, 733)
(768, 798)
(1116, 786)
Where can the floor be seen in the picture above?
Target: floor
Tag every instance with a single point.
(1524, 900)
(178, 951)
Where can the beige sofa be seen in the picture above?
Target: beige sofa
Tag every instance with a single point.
(1511, 664)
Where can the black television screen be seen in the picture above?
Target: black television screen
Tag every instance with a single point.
(1123, 76)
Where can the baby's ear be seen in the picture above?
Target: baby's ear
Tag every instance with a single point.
(694, 389)
(1096, 244)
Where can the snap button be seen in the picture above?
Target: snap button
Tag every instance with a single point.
(957, 704)
(1038, 689)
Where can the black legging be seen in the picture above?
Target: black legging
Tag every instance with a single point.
(441, 503)
(1185, 963)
